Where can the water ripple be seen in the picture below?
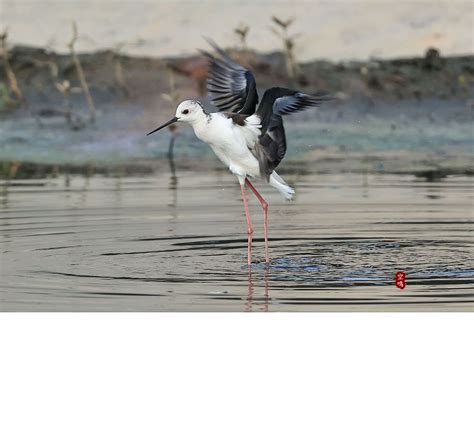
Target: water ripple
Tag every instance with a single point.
(149, 248)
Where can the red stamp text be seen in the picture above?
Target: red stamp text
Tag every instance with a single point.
(400, 280)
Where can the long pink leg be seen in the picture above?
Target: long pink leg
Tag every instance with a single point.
(249, 225)
(248, 305)
(264, 204)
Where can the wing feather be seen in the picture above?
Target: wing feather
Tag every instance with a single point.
(277, 102)
(231, 86)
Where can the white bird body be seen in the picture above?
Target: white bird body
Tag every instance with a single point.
(230, 142)
(250, 141)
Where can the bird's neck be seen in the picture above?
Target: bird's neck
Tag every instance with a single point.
(201, 121)
(201, 127)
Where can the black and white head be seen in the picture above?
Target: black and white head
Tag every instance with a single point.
(188, 111)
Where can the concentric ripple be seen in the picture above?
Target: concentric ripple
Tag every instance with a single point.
(178, 244)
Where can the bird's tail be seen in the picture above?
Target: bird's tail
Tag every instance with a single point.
(278, 183)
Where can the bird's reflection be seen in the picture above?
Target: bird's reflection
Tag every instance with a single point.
(173, 183)
(249, 303)
(171, 144)
(265, 292)
(4, 195)
(433, 192)
(173, 179)
(84, 192)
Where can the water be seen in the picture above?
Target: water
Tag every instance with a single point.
(164, 243)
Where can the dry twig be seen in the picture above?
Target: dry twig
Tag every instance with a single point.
(80, 74)
(281, 30)
(118, 68)
(12, 80)
(242, 32)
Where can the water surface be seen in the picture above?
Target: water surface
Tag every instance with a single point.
(167, 243)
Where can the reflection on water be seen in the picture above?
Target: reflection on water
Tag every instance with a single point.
(97, 243)
(173, 180)
(252, 299)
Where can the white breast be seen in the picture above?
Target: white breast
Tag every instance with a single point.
(231, 143)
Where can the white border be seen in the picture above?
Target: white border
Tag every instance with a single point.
(236, 370)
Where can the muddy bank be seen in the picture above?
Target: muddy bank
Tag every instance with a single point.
(323, 161)
(410, 115)
(144, 79)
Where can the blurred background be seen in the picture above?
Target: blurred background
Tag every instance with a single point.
(335, 30)
(83, 81)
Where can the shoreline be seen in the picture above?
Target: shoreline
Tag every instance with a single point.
(409, 115)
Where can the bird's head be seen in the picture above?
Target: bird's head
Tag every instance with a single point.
(188, 111)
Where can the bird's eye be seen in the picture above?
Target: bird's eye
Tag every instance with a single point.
(185, 111)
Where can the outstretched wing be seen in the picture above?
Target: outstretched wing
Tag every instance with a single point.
(277, 102)
(231, 86)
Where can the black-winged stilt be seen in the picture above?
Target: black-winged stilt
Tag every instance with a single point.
(250, 141)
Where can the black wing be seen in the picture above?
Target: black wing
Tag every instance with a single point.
(277, 102)
(231, 86)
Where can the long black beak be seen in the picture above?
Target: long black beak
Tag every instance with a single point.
(175, 119)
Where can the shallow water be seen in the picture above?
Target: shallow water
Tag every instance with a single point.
(162, 243)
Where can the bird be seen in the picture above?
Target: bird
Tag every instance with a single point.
(247, 136)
